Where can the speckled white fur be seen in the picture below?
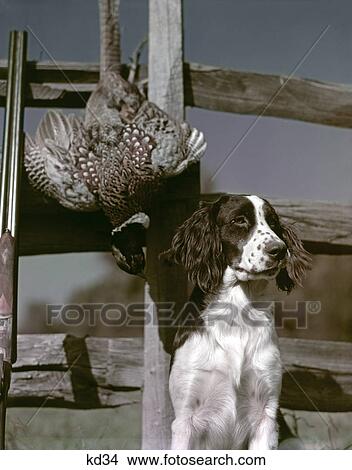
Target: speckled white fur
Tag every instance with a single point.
(254, 257)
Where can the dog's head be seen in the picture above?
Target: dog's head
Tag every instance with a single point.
(245, 233)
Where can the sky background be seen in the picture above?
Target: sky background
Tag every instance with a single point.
(280, 158)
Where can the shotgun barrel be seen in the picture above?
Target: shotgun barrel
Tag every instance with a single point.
(11, 169)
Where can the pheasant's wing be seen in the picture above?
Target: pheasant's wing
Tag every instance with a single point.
(193, 148)
(56, 160)
(178, 145)
(34, 159)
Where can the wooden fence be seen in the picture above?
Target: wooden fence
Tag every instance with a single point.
(69, 84)
(98, 372)
(70, 372)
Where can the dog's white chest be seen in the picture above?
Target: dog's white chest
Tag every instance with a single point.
(218, 371)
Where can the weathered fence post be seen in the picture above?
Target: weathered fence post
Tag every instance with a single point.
(165, 283)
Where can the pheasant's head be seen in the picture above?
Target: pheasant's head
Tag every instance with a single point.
(127, 243)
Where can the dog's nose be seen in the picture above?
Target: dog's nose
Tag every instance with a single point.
(276, 249)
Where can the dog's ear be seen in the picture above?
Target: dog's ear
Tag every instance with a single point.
(197, 246)
(298, 262)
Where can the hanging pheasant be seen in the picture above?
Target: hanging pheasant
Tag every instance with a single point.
(117, 157)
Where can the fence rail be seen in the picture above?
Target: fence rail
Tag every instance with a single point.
(65, 371)
(47, 227)
(69, 84)
(71, 372)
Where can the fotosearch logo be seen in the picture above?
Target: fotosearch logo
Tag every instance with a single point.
(165, 314)
(299, 313)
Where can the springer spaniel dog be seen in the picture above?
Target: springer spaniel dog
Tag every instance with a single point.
(225, 376)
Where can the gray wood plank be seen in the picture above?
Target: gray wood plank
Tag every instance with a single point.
(77, 372)
(317, 374)
(249, 93)
(325, 226)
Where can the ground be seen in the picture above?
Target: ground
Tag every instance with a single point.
(51, 428)
(120, 428)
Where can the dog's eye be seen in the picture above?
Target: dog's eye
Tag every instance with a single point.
(274, 224)
(240, 220)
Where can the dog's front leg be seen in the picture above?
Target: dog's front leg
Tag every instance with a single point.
(181, 433)
(265, 434)
(265, 399)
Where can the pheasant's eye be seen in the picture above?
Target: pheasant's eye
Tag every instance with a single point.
(240, 220)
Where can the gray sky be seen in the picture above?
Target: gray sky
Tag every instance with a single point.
(280, 158)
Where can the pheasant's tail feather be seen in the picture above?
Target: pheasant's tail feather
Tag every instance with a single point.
(110, 54)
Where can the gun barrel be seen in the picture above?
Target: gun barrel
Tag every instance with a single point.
(11, 170)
